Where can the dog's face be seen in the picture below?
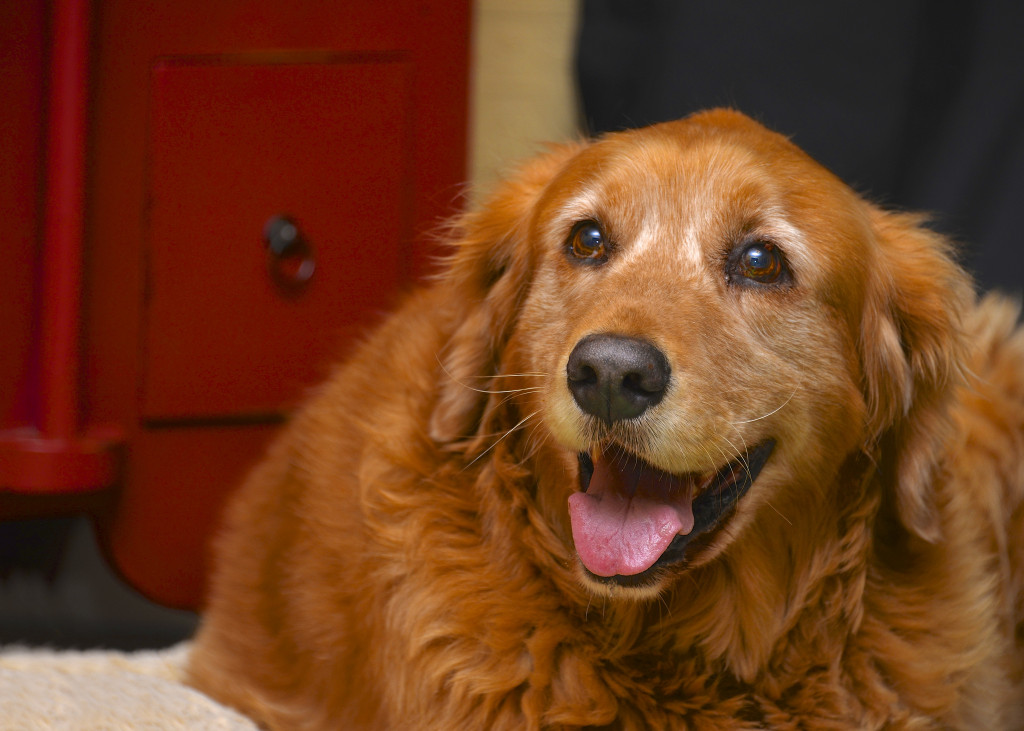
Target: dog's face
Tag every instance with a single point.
(716, 327)
(687, 288)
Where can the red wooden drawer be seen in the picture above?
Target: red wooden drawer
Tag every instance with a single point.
(232, 145)
(157, 535)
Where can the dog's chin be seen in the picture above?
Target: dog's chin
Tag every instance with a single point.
(647, 587)
(703, 504)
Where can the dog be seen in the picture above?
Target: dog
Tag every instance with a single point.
(685, 435)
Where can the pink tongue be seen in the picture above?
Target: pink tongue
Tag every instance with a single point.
(629, 515)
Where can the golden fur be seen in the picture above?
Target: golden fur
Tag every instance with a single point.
(403, 558)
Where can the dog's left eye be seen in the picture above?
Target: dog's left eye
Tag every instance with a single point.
(761, 262)
(587, 242)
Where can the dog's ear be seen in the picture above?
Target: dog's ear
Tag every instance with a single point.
(913, 356)
(487, 275)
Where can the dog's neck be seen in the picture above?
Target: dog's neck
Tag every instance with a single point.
(812, 574)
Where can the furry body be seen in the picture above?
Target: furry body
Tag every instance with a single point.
(404, 558)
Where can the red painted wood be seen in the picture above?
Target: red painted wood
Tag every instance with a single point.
(235, 144)
(22, 74)
(433, 36)
(33, 464)
(61, 293)
(50, 455)
(149, 307)
(158, 537)
(195, 382)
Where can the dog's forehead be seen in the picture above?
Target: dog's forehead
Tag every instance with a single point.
(661, 168)
(651, 184)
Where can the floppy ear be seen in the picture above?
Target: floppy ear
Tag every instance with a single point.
(913, 355)
(488, 275)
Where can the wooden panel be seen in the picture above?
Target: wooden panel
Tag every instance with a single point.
(159, 536)
(132, 38)
(21, 128)
(233, 146)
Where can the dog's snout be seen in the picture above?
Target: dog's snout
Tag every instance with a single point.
(615, 377)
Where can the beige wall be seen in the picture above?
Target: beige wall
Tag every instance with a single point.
(522, 91)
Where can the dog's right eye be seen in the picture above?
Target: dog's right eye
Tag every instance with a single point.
(588, 243)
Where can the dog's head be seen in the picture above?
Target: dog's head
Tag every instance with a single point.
(701, 324)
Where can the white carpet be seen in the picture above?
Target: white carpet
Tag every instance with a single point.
(104, 690)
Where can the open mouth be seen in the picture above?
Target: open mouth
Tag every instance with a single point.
(631, 518)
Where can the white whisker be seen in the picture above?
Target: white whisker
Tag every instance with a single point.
(711, 460)
(777, 511)
(742, 455)
(499, 439)
(765, 416)
(513, 394)
(533, 444)
(507, 390)
(518, 375)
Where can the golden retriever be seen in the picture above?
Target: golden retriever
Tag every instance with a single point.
(687, 435)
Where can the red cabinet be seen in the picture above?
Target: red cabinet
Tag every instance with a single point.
(257, 183)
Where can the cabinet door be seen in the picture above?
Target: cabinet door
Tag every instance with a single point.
(233, 329)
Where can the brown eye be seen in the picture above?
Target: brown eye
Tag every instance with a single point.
(588, 242)
(762, 262)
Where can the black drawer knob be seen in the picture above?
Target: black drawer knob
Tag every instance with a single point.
(291, 261)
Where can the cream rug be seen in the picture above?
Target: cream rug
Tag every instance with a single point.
(105, 690)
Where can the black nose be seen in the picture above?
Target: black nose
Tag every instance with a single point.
(615, 377)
